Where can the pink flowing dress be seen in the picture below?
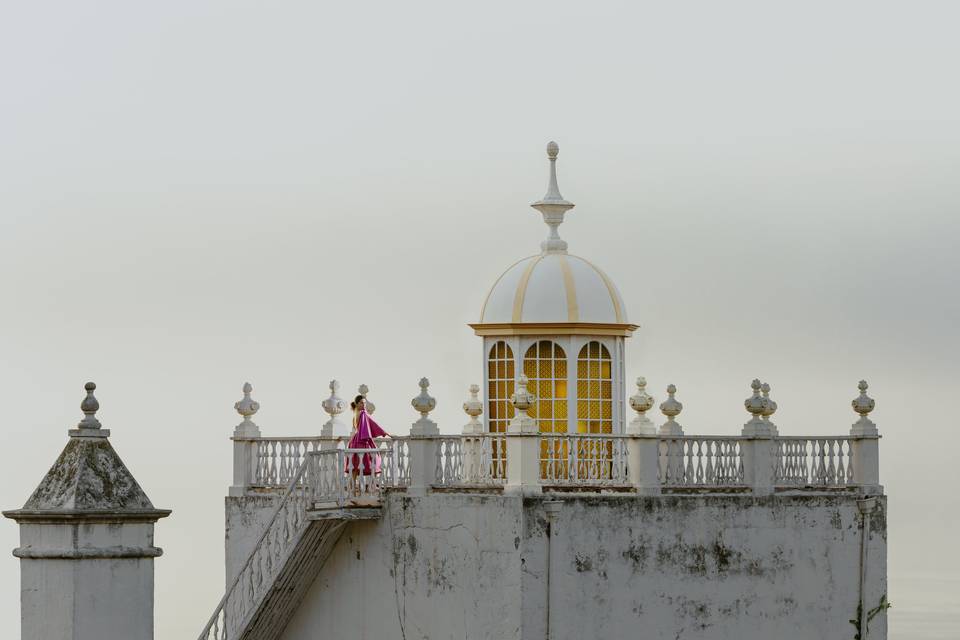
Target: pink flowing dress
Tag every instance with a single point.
(362, 438)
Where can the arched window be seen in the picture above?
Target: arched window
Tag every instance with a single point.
(500, 377)
(594, 389)
(545, 365)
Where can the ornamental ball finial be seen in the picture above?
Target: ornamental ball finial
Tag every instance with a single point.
(863, 404)
(522, 399)
(754, 404)
(770, 407)
(333, 405)
(473, 407)
(363, 390)
(553, 150)
(247, 406)
(641, 401)
(671, 407)
(89, 405)
(423, 402)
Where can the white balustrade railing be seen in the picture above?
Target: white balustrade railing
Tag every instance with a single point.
(813, 462)
(584, 459)
(341, 475)
(471, 460)
(701, 461)
(278, 459)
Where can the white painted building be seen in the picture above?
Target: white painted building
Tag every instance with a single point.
(555, 516)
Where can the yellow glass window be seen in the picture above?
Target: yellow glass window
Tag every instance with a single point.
(500, 367)
(545, 364)
(594, 389)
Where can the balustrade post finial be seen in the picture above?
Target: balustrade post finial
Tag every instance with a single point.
(641, 402)
(758, 406)
(424, 403)
(865, 445)
(363, 390)
(522, 400)
(769, 408)
(245, 449)
(334, 406)
(863, 405)
(671, 408)
(523, 443)
(473, 407)
(247, 406)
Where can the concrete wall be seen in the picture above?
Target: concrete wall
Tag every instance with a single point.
(65, 598)
(246, 520)
(701, 567)
(474, 566)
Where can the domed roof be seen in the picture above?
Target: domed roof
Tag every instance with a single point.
(554, 287)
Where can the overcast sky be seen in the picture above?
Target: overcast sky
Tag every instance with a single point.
(196, 194)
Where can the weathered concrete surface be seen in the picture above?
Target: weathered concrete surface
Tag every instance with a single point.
(702, 567)
(246, 519)
(88, 475)
(96, 581)
(474, 566)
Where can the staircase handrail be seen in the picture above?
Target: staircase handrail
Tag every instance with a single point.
(295, 486)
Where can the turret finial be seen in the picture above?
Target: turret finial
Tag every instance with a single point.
(553, 206)
(89, 406)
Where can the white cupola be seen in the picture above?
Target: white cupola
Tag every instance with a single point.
(558, 319)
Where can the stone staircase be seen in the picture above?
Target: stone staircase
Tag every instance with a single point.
(300, 536)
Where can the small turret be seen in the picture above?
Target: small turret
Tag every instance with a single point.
(86, 543)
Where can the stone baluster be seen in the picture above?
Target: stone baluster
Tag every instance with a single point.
(335, 426)
(758, 450)
(523, 444)
(643, 447)
(472, 443)
(865, 447)
(244, 444)
(671, 408)
(423, 443)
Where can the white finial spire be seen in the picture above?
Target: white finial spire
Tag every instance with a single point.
(553, 206)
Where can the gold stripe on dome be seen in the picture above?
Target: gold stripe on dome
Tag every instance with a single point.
(522, 289)
(573, 311)
(553, 328)
(483, 309)
(610, 288)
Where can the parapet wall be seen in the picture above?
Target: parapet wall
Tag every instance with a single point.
(462, 565)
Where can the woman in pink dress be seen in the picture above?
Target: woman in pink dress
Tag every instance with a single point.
(364, 432)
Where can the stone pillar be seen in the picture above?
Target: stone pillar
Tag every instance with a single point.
(422, 444)
(758, 452)
(865, 448)
(475, 459)
(244, 447)
(86, 544)
(643, 445)
(523, 444)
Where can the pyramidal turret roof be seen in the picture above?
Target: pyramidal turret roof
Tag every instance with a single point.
(88, 478)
